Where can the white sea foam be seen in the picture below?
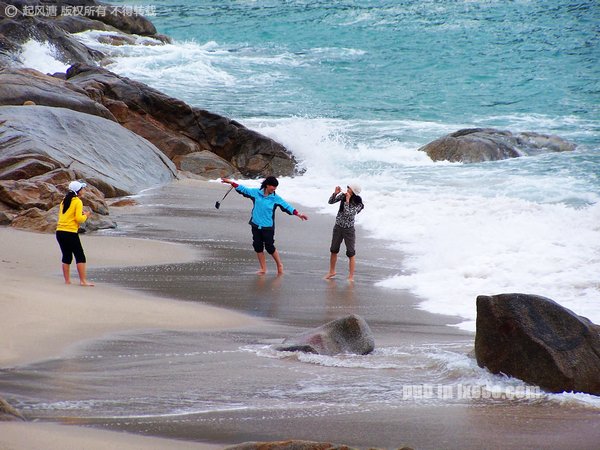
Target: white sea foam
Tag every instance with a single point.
(42, 56)
(528, 225)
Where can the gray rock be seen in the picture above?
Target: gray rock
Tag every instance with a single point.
(179, 129)
(98, 150)
(349, 334)
(536, 340)
(20, 29)
(488, 144)
(20, 85)
(207, 164)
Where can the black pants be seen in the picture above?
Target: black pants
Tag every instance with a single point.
(70, 245)
(263, 238)
(343, 234)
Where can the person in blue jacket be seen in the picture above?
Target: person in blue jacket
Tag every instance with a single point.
(262, 221)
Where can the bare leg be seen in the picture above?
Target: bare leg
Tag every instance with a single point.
(332, 262)
(82, 279)
(277, 259)
(351, 265)
(262, 262)
(66, 270)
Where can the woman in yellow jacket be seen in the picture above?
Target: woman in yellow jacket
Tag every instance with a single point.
(70, 216)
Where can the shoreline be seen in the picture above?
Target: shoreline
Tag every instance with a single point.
(213, 267)
(43, 318)
(46, 318)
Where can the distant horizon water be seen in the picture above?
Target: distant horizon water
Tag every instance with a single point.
(354, 89)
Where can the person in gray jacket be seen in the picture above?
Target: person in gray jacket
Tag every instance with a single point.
(343, 230)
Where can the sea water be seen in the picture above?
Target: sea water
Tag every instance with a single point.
(354, 88)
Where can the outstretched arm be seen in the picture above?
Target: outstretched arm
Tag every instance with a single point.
(228, 181)
(301, 216)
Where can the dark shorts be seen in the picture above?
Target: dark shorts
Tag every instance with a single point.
(70, 245)
(263, 238)
(343, 234)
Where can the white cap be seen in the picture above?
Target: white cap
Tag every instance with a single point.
(355, 187)
(76, 186)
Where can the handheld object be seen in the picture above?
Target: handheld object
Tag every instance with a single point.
(218, 203)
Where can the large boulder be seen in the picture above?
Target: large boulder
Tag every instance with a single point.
(349, 334)
(207, 164)
(106, 155)
(488, 144)
(538, 341)
(179, 129)
(18, 86)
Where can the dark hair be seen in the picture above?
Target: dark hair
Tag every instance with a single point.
(269, 181)
(354, 199)
(67, 200)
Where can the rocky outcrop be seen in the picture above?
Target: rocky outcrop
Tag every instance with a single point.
(17, 30)
(350, 334)
(119, 135)
(98, 150)
(179, 129)
(39, 158)
(488, 144)
(538, 341)
(18, 86)
(51, 26)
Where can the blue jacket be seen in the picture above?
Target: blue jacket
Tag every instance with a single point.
(263, 211)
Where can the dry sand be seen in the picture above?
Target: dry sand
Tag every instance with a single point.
(42, 317)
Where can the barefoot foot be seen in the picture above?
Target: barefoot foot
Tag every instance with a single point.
(329, 276)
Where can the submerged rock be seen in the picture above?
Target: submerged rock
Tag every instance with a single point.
(538, 341)
(350, 334)
(489, 144)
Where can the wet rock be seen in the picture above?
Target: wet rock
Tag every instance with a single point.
(538, 341)
(207, 164)
(18, 86)
(110, 157)
(488, 144)
(178, 129)
(17, 30)
(350, 334)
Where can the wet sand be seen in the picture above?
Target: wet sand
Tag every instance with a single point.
(43, 318)
(221, 273)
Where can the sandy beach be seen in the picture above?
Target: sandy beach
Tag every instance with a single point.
(207, 316)
(43, 317)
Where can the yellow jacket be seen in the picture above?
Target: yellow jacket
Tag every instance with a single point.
(70, 220)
